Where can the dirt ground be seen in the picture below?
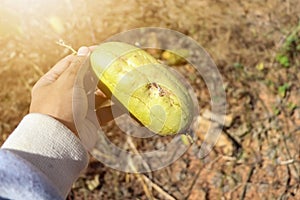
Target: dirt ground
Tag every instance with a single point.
(256, 46)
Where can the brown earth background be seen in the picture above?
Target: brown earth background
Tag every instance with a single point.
(256, 46)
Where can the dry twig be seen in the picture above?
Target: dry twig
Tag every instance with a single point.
(63, 44)
(159, 189)
(246, 183)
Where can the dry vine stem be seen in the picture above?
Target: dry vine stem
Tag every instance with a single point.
(63, 44)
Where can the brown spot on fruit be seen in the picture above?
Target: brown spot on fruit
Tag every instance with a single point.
(156, 87)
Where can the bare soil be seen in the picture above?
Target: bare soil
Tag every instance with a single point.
(256, 46)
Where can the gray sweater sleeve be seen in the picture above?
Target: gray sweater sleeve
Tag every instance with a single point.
(19, 179)
(43, 152)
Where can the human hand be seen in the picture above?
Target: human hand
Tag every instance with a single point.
(52, 94)
(62, 93)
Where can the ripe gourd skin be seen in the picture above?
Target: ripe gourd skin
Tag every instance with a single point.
(150, 92)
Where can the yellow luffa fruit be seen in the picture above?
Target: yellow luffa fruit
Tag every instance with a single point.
(150, 92)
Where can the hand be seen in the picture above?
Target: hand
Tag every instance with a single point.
(52, 94)
(62, 89)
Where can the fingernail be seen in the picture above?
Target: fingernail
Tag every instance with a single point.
(83, 51)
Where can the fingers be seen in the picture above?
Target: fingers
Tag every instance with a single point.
(70, 61)
(92, 48)
(58, 68)
(83, 51)
(78, 61)
(107, 114)
(100, 98)
(77, 68)
(53, 74)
